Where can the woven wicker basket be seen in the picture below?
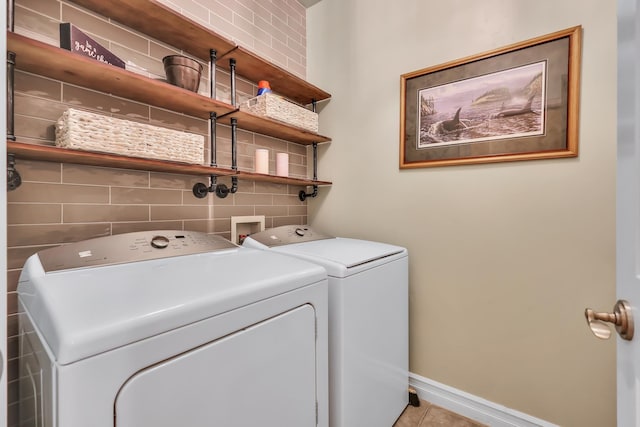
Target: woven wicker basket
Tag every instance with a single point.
(278, 108)
(82, 130)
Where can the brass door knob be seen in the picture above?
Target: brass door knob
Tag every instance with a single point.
(621, 318)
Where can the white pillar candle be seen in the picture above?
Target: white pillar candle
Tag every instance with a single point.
(262, 161)
(282, 164)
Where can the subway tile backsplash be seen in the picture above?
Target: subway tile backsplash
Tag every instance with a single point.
(61, 203)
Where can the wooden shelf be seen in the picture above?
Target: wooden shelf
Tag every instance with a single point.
(60, 64)
(162, 23)
(279, 179)
(56, 154)
(267, 126)
(251, 66)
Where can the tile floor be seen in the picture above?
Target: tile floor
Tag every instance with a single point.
(428, 415)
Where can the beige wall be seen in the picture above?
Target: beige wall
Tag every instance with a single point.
(504, 257)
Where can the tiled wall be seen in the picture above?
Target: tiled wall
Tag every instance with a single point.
(59, 203)
(276, 29)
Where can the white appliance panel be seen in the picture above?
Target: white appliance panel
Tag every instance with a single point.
(84, 312)
(162, 309)
(339, 256)
(130, 247)
(342, 253)
(105, 373)
(368, 320)
(373, 359)
(208, 386)
(36, 377)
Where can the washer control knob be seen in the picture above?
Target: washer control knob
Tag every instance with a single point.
(300, 231)
(159, 242)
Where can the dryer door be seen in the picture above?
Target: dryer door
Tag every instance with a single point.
(262, 375)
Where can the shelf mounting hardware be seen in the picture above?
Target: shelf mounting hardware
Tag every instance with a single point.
(232, 69)
(11, 66)
(222, 190)
(13, 177)
(212, 73)
(11, 15)
(200, 189)
(302, 195)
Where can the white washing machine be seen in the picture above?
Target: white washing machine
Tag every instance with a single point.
(171, 328)
(368, 321)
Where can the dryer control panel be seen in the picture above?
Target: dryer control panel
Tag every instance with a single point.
(130, 247)
(286, 235)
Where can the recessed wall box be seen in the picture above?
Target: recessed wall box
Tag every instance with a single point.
(242, 226)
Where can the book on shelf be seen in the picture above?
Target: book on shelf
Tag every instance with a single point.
(73, 39)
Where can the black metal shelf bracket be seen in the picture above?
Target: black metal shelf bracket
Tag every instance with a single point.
(11, 65)
(13, 177)
(11, 15)
(200, 189)
(222, 190)
(14, 180)
(302, 195)
(212, 73)
(232, 69)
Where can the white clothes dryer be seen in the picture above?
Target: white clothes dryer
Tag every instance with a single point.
(171, 328)
(368, 321)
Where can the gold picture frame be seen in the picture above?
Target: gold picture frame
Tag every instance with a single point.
(518, 102)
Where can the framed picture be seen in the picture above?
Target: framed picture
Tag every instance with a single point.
(518, 102)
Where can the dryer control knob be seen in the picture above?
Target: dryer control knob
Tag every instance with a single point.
(159, 242)
(300, 231)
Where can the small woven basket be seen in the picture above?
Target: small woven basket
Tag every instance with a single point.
(82, 130)
(278, 108)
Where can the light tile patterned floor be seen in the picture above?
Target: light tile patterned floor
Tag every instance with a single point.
(428, 415)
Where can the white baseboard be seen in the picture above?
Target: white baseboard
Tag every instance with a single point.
(471, 406)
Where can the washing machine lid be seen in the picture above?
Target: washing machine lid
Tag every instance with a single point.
(284, 235)
(343, 257)
(81, 312)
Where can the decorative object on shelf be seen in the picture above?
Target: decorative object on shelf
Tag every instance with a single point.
(262, 161)
(82, 130)
(71, 38)
(519, 102)
(281, 109)
(182, 71)
(282, 164)
(263, 87)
